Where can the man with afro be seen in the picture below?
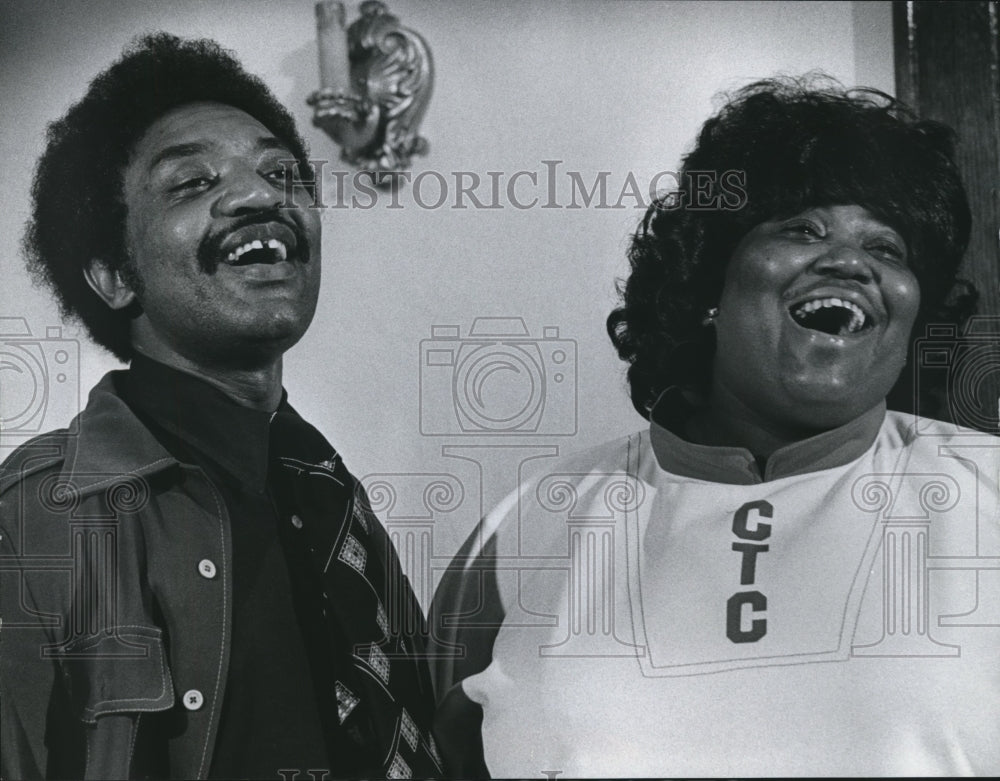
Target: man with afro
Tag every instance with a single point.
(192, 584)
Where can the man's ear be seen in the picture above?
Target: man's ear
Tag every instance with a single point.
(108, 284)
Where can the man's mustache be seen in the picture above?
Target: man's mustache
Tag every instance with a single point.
(209, 252)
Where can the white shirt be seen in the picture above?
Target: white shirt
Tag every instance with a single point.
(853, 630)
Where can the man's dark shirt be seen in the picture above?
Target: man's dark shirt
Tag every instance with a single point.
(279, 711)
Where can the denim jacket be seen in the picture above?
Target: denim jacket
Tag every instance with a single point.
(112, 553)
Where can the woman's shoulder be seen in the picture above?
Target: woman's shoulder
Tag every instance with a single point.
(617, 454)
(548, 482)
(914, 431)
(928, 446)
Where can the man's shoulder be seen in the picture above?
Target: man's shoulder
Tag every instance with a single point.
(39, 456)
(29, 492)
(105, 440)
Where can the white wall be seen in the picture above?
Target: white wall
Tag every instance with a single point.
(608, 86)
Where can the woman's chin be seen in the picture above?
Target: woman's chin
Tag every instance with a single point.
(825, 403)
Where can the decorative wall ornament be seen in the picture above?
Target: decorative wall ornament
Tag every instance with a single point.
(375, 83)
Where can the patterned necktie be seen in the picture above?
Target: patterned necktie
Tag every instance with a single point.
(385, 702)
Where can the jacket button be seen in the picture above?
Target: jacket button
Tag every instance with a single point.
(193, 699)
(296, 522)
(206, 568)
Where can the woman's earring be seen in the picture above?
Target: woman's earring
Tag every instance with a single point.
(710, 315)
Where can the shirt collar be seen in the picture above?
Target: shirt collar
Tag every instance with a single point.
(233, 436)
(737, 465)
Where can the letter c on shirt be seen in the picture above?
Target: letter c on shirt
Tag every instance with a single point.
(734, 617)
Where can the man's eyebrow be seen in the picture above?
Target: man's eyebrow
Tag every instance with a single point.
(271, 142)
(176, 151)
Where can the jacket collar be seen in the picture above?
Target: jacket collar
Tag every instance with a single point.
(110, 442)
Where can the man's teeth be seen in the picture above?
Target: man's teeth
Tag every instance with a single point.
(858, 317)
(271, 244)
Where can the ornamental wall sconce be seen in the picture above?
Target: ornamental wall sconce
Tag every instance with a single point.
(375, 84)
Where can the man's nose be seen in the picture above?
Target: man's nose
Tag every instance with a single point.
(245, 190)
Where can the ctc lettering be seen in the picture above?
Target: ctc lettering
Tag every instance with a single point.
(752, 604)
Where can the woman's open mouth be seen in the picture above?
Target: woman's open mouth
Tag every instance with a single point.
(832, 315)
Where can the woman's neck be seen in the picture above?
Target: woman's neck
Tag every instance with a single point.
(728, 421)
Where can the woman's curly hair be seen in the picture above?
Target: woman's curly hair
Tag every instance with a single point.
(786, 145)
(77, 209)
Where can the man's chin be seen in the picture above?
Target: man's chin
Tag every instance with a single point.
(279, 337)
(257, 344)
